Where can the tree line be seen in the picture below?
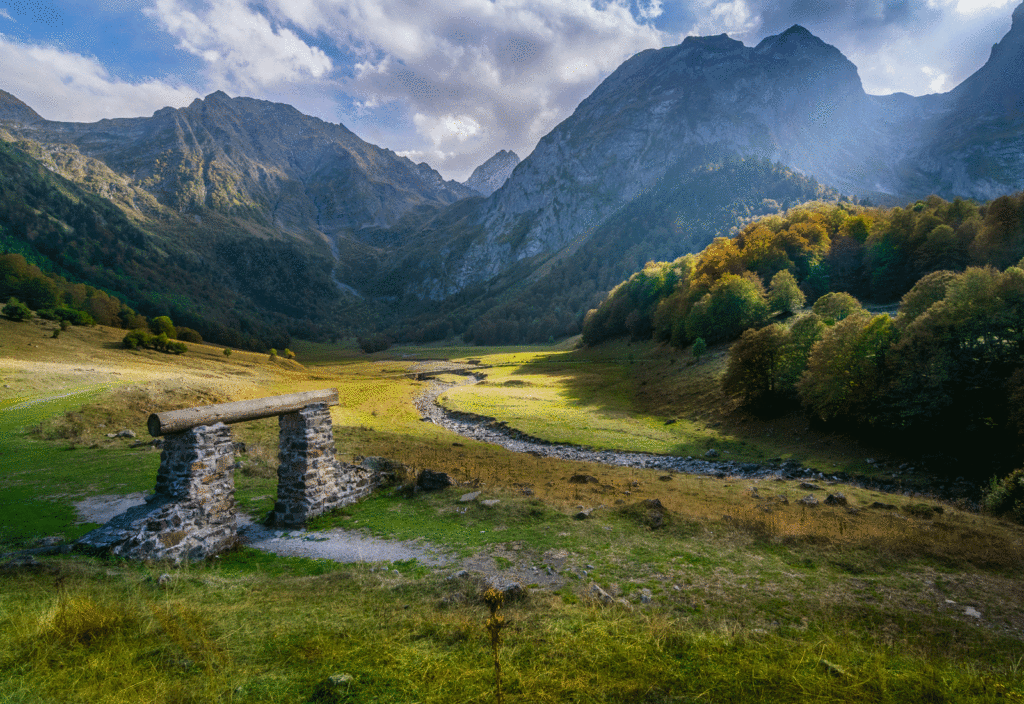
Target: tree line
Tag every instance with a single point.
(947, 371)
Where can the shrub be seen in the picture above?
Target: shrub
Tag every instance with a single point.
(375, 343)
(699, 348)
(141, 338)
(16, 310)
(273, 353)
(227, 351)
(68, 315)
(288, 353)
(188, 335)
(1006, 497)
(162, 325)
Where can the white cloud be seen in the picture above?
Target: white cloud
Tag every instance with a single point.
(243, 51)
(970, 7)
(64, 86)
(511, 68)
(938, 80)
(5, 14)
(649, 9)
(734, 18)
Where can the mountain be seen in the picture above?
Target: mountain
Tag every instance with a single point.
(975, 147)
(250, 157)
(792, 100)
(677, 146)
(492, 174)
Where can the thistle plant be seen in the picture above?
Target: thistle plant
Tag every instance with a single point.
(494, 599)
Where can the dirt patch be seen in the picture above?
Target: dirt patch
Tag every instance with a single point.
(100, 509)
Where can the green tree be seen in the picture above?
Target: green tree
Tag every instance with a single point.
(784, 295)
(833, 307)
(162, 325)
(16, 310)
(796, 349)
(699, 348)
(733, 304)
(845, 369)
(755, 361)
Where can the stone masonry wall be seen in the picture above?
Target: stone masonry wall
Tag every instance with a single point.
(310, 481)
(192, 514)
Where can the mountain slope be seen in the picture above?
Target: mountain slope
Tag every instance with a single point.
(243, 156)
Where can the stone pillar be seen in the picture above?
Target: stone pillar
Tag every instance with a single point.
(192, 514)
(198, 465)
(307, 483)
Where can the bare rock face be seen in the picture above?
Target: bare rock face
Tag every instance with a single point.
(492, 174)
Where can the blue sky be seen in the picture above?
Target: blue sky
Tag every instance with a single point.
(447, 82)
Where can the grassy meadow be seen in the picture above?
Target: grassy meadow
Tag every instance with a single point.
(743, 594)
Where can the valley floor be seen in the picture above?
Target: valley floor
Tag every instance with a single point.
(673, 588)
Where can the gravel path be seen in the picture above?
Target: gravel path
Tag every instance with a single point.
(336, 544)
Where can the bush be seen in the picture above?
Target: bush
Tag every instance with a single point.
(16, 310)
(699, 348)
(162, 325)
(1006, 497)
(141, 338)
(67, 314)
(227, 351)
(188, 335)
(288, 353)
(375, 343)
(273, 354)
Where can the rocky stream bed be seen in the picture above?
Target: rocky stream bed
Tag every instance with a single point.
(491, 430)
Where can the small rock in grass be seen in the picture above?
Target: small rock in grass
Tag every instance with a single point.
(807, 486)
(808, 500)
(711, 454)
(836, 499)
(600, 594)
(884, 507)
(467, 498)
(583, 514)
(433, 481)
(583, 479)
(646, 596)
(971, 611)
(490, 503)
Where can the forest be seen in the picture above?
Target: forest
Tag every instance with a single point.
(67, 248)
(946, 369)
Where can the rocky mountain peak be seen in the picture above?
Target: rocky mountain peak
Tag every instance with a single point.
(492, 174)
(999, 84)
(13, 109)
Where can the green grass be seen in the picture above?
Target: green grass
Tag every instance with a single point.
(241, 633)
(41, 479)
(753, 600)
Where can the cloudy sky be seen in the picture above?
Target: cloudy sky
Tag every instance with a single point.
(448, 82)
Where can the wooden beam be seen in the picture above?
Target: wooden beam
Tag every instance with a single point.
(238, 411)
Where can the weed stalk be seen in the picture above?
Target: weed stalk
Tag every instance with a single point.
(495, 623)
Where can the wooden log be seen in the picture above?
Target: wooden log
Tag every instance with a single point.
(238, 411)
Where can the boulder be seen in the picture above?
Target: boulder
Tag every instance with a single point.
(429, 480)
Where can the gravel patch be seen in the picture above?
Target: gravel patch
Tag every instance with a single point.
(338, 545)
(100, 509)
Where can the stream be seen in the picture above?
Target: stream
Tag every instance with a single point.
(495, 432)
